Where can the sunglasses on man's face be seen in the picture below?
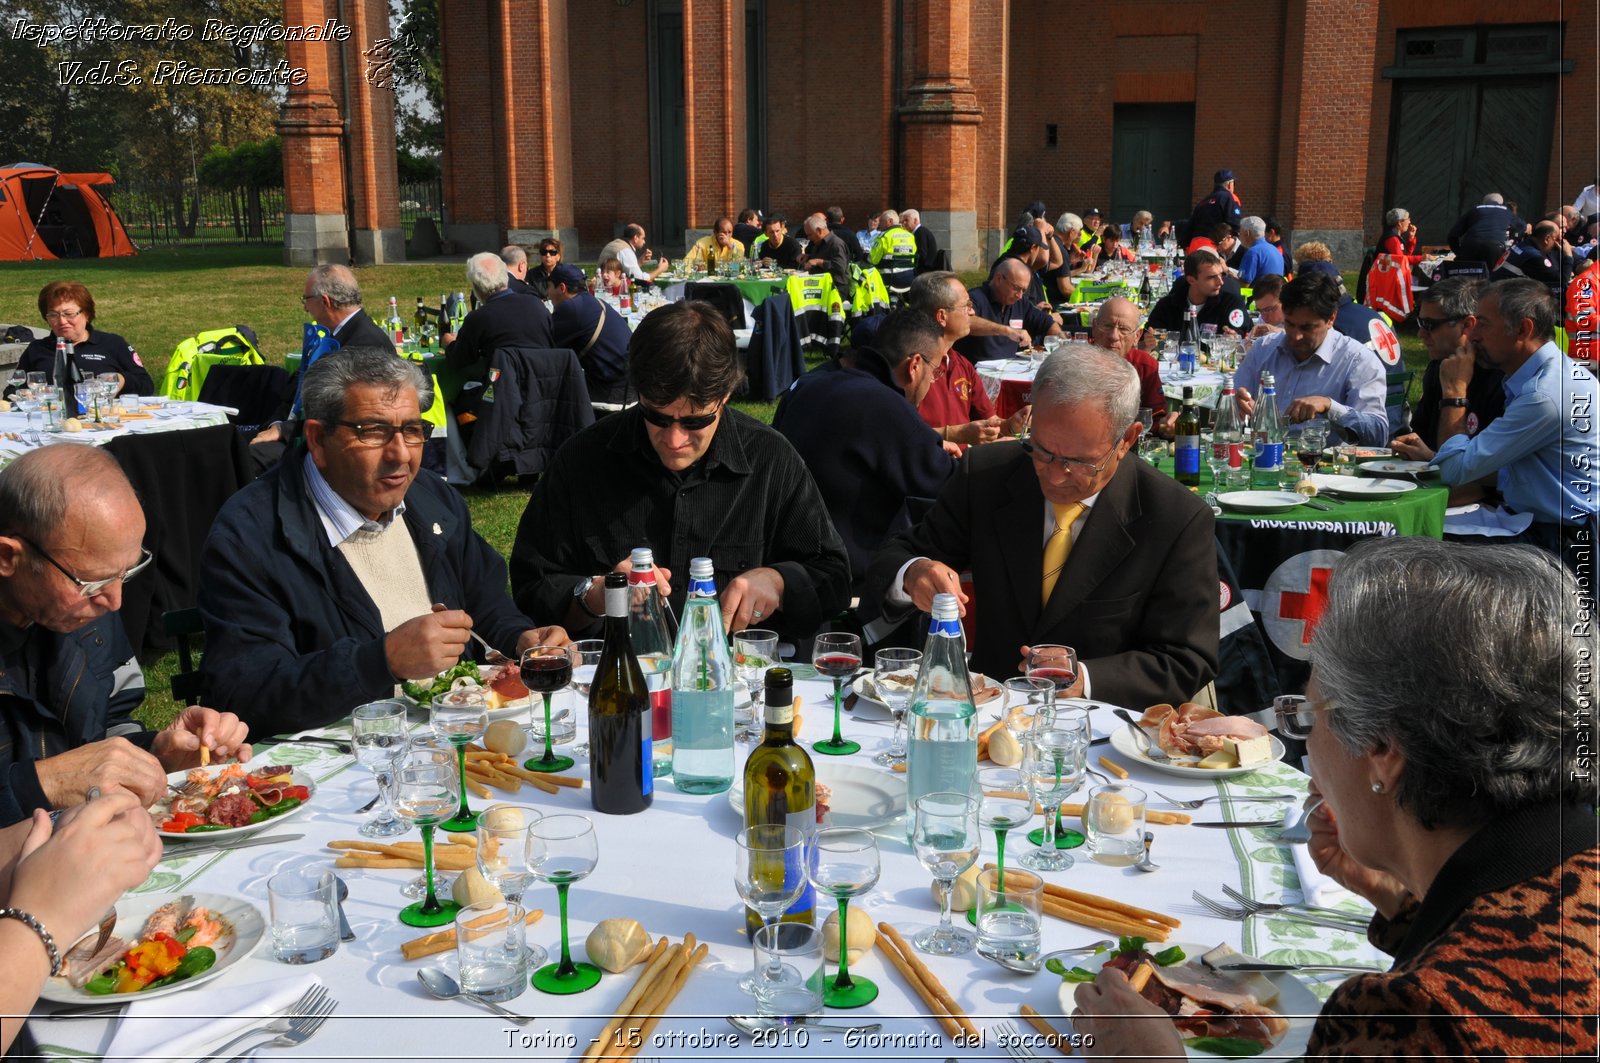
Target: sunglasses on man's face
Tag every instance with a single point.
(693, 423)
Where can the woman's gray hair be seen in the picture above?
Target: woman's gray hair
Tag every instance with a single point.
(487, 274)
(337, 283)
(331, 376)
(1394, 216)
(1079, 374)
(1458, 657)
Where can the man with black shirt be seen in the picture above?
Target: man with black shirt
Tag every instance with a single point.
(997, 304)
(827, 253)
(516, 260)
(1201, 287)
(749, 226)
(1481, 234)
(503, 319)
(927, 243)
(773, 244)
(835, 219)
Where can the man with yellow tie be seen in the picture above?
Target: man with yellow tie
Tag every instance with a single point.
(1066, 542)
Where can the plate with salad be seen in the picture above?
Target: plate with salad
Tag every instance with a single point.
(161, 944)
(503, 690)
(226, 800)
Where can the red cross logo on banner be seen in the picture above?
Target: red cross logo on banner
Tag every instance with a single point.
(1384, 341)
(1293, 600)
(1306, 607)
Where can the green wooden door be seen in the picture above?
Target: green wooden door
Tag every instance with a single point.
(1152, 160)
(669, 178)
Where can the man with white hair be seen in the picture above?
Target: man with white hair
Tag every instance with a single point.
(516, 260)
(927, 243)
(895, 253)
(503, 319)
(1260, 258)
(827, 253)
(1067, 542)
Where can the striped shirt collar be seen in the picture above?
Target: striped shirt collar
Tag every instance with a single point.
(339, 519)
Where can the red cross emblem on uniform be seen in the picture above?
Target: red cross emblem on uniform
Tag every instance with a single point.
(1384, 341)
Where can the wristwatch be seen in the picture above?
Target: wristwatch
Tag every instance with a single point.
(580, 594)
(1458, 403)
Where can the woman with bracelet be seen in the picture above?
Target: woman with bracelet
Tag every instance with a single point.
(56, 882)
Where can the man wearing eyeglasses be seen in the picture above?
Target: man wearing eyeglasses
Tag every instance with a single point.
(1116, 328)
(1066, 542)
(341, 572)
(70, 535)
(685, 474)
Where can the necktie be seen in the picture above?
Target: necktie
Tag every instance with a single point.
(1059, 545)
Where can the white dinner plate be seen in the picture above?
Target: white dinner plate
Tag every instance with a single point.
(1359, 452)
(1397, 468)
(1295, 1002)
(1259, 501)
(984, 690)
(249, 926)
(865, 798)
(1361, 487)
(297, 778)
(1123, 742)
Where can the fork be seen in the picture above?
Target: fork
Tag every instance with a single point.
(1255, 907)
(491, 655)
(301, 1027)
(308, 1001)
(1197, 802)
(1239, 915)
(1015, 1047)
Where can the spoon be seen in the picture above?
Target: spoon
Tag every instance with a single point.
(343, 893)
(1146, 746)
(1037, 964)
(753, 1024)
(1144, 863)
(440, 984)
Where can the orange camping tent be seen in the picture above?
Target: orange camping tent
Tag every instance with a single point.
(47, 214)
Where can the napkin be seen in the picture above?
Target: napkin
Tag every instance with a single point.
(1316, 887)
(168, 1028)
(1476, 519)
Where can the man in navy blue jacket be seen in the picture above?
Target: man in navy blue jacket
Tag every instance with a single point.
(341, 572)
(854, 420)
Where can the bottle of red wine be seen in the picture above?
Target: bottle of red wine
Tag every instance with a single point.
(620, 781)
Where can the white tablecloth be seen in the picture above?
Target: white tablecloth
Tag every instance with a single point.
(169, 417)
(671, 868)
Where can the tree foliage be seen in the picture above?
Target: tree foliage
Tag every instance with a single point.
(419, 79)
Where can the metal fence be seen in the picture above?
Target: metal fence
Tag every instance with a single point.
(179, 212)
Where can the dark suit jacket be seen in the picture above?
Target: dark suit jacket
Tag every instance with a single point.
(359, 330)
(927, 248)
(1137, 599)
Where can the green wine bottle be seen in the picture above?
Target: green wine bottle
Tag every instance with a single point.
(620, 782)
(1186, 455)
(780, 786)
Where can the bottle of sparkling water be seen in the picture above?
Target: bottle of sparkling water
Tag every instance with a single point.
(1268, 437)
(652, 641)
(942, 747)
(702, 691)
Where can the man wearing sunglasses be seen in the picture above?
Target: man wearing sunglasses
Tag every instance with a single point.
(685, 474)
(1068, 543)
(70, 535)
(341, 572)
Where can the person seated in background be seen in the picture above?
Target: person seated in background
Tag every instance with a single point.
(927, 243)
(895, 252)
(867, 478)
(1112, 247)
(70, 535)
(1482, 234)
(827, 253)
(341, 572)
(612, 282)
(592, 330)
(956, 404)
(503, 319)
(1451, 794)
(1266, 302)
(68, 311)
(516, 263)
(686, 474)
(1004, 321)
(1319, 371)
(711, 253)
(865, 238)
(639, 263)
(1201, 287)
(1141, 221)
(1116, 328)
(1399, 234)
(1068, 543)
(1029, 248)
(773, 247)
(538, 278)
(1543, 256)
(57, 879)
(852, 243)
(1275, 237)
(1064, 240)
(748, 227)
(1258, 258)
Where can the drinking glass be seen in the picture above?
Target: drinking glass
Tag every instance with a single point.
(561, 851)
(588, 659)
(1003, 804)
(946, 837)
(754, 651)
(546, 669)
(1147, 423)
(305, 921)
(1009, 909)
(843, 863)
(38, 380)
(1059, 664)
(88, 396)
(378, 734)
(1313, 438)
(769, 873)
(426, 788)
(837, 655)
(788, 972)
(491, 949)
(27, 402)
(49, 398)
(1072, 713)
(1052, 767)
(1024, 698)
(460, 717)
(1114, 817)
(502, 857)
(894, 674)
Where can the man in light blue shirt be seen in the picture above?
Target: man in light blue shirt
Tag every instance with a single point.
(1318, 371)
(1543, 446)
(1260, 258)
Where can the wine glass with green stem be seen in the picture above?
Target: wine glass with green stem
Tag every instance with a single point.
(563, 850)
(842, 862)
(426, 788)
(1074, 712)
(1053, 767)
(460, 717)
(1003, 805)
(837, 655)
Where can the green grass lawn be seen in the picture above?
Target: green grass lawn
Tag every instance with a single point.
(164, 295)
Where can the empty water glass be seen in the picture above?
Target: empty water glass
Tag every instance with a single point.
(489, 944)
(788, 972)
(1010, 905)
(305, 915)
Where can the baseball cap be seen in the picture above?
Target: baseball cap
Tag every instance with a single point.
(568, 276)
(1027, 234)
(1036, 208)
(1092, 210)
(1223, 177)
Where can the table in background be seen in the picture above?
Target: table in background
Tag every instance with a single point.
(1009, 383)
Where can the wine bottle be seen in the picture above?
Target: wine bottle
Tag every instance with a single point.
(942, 743)
(620, 782)
(702, 691)
(652, 641)
(780, 785)
(1187, 436)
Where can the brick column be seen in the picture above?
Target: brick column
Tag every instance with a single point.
(538, 115)
(941, 116)
(1327, 103)
(714, 111)
(309, 127)
(370, 133)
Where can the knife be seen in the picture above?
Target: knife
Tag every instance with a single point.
(1272, 823)
(242, 843)
(1349, 968)
(342, 747)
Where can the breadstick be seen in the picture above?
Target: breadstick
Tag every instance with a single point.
(946, 1023)
(1053, 1038)
(628, 1030)
(483, 754)
(497, 779)
(1113, 767)
(534, 777)
(205, 755)
(927, 977)
(659, 957)
(445, 940)
(1141, 977)
(1090, 900)
(1150, 816)
(1097, 920)
(677, 986)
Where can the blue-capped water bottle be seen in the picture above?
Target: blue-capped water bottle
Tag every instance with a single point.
(702, 691)
(1267, 435)
(942, 746)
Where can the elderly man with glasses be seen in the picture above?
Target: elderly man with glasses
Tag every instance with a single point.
(1068, 543)
(70, 535)
(685, 474)
(341, 572)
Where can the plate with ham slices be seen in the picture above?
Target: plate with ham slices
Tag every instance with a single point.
(226, 800)
(1200, 741)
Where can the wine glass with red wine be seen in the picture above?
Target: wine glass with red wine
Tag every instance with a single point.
(545, 670)
(1059, 664)
(837, 655)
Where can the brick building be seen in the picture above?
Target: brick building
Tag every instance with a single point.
(574, 116)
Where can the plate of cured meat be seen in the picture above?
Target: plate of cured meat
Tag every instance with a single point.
(1199, 741)
(226, 800)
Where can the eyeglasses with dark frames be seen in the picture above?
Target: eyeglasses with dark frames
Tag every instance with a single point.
(693, 423)
(88, 588)
(378, 434)
(1071, 466)
(1428, 324)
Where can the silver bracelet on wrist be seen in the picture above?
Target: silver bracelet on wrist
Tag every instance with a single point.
(31, 921)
